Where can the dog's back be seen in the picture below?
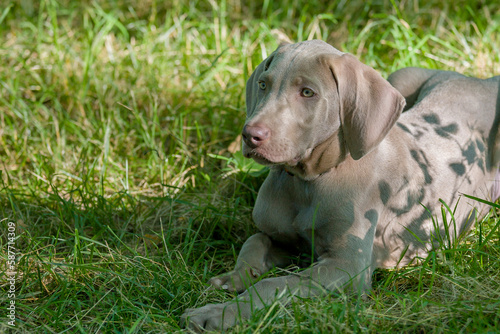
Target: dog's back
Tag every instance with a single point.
(458, 117)
(470, 95)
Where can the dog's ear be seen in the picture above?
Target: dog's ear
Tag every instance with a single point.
(369, 105)
(252, 88)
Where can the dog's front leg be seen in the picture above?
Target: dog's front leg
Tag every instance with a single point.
(328, 275)
(258, 255)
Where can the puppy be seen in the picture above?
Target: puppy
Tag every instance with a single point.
(354, 181)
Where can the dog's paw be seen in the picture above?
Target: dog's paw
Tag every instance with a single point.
(209, 317)
(235, 281)
(227, 282)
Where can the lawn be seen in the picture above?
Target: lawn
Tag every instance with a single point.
(122, 188)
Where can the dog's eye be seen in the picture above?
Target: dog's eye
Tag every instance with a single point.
(306, 92)
(262, 85)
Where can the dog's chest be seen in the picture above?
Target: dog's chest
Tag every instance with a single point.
(288, 210)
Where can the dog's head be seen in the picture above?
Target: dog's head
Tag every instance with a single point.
(306, 94)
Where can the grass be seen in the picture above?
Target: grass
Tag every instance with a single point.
(118, 126)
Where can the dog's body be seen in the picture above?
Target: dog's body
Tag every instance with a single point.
(349, 172)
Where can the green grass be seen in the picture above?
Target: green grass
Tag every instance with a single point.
(117, 123)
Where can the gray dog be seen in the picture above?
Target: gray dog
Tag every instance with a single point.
(354, 182)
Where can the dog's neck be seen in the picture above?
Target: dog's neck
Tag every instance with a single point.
(324, 157)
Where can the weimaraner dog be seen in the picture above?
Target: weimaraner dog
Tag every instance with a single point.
(354, 181)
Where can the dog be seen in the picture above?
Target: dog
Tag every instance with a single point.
(359, 166)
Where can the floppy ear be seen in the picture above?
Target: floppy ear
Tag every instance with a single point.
(252, 88)
(369, 105)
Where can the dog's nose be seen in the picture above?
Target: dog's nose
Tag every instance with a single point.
(255, 135)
